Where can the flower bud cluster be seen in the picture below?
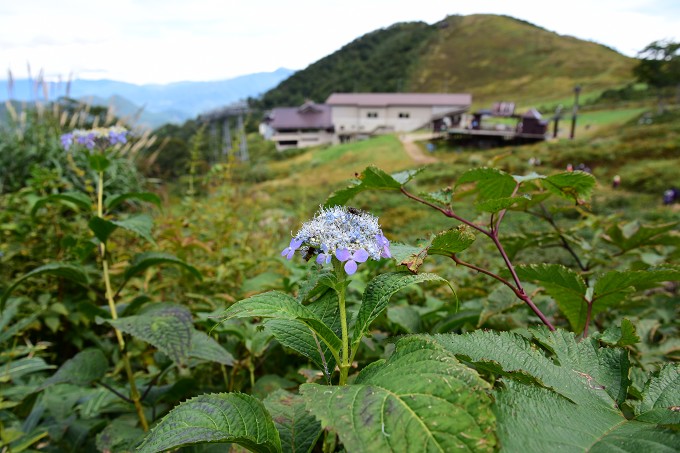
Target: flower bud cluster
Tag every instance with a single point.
(101, 137)
(349, 234)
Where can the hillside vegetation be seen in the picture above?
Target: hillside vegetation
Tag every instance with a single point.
(493, 57)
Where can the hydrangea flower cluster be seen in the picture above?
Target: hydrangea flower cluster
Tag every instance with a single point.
(101, 137)
(351, 235)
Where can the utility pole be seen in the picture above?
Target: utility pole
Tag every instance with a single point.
(577, 90)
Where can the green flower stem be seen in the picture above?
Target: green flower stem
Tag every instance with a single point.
(134, 393)
(341, 288)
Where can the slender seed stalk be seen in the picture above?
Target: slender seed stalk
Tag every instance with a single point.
(134, 393)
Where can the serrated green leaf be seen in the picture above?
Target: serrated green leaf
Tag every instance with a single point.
(533, 419)
(147, 197)
(205, 347)
(372, 178)
(567, 403)
(494, 205)
(143, 261)
(298, 429)
(625, 335)
(168, 327)
(564, 285)
(635, 235)
(69, 271)
(277, 305)
(661, 397)
(420, 399)
(572, 185)
(378, 294)
(491, 183)
(452, 241)
(216, 418)
(71, 199)
(82, 369)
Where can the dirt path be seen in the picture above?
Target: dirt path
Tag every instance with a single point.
(414, 151)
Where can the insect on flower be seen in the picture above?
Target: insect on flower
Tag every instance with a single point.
(350, 235)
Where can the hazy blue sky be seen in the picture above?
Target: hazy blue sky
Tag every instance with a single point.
(143, 41)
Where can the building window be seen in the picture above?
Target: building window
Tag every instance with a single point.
(404, 115)
(371, 114)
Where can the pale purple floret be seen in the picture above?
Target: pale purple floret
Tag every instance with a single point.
(324, 257)
(359, 256)
(118, 136)
(384, 245)
(289, 251)
(86, 140)
(67, 140)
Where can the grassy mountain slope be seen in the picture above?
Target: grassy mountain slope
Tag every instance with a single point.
(493, 57)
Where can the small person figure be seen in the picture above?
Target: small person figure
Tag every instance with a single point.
(570, 167)
(616, 182)
(671, 195)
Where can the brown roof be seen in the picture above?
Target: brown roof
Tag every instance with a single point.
(307, 116)
(387, 99)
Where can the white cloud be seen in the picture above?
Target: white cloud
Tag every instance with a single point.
(161, 41)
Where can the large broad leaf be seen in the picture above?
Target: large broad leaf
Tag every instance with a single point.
(573, 185)
(143, 261)
(85, 367)
(298, 429)
(139, 224)
(661, 397)
(217, 418)
(564, 285)
(566, 403)
(168, 327)
(205, 347)
(634, 235)
(420, 399)
(70, 199)
(277, 305)
(378, 294)
(491, 183)
(295, 334)
(69, 271)
(372, 178)
(148, 197)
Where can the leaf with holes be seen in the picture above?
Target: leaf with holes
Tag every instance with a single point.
(168, 327)
(215, 418)
(420, 399)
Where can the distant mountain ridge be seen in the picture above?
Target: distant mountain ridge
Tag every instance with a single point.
(173, 102)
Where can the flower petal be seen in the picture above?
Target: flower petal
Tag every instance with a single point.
(360, 256)
(350, 267)
(295, 243)
(343, 255)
